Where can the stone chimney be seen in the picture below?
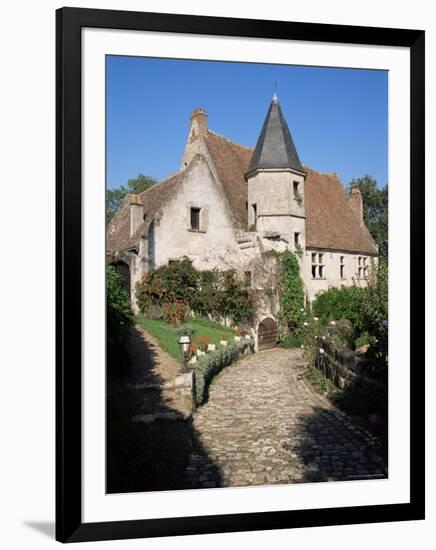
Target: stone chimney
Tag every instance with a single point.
(136, 213)
(198, 124)
(194, 145)
(356, 203)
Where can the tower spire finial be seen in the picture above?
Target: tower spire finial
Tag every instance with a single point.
(274, 97)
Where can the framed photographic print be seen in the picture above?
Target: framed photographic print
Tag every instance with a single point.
(240, 229)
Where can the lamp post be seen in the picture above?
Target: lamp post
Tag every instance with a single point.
(184, 344)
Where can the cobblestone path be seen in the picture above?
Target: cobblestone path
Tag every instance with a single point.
(263, 424)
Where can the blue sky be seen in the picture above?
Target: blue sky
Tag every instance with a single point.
(337, 117)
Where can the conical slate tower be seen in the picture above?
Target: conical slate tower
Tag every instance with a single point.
(275, 178)
(275, 147)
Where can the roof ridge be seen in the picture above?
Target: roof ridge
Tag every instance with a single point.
(156, 185)
(230, 140)
(335, 174)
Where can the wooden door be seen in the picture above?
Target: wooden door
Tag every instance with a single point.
(267, 334)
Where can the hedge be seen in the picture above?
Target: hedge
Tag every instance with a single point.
(212, 363)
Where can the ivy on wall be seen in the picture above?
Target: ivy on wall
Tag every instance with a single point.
(292, 295)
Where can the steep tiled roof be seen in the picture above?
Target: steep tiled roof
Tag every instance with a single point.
(330, 221)
(231, 161)
(118, 230)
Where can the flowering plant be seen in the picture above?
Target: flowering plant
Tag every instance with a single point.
(175, 312)
(201, 342)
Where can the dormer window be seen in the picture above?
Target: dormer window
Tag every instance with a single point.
(195, 219)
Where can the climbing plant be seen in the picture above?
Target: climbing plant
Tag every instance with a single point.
(291, 293)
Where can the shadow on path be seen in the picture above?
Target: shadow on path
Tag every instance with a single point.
(333, 447)
(146, 456)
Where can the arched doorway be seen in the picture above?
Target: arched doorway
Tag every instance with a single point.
(124, 271)
(267, 334)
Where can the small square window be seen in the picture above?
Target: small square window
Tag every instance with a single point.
(195, 219)
(320, 257)
(314, 257)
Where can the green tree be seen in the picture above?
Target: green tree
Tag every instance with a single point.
(375, 210)
(119, 314)
(115, 196)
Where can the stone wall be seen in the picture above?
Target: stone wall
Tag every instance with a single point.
(332, 272)
(347, 368)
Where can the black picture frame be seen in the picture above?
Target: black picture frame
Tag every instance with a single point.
(69, 525)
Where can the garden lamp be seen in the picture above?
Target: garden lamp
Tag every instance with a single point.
(184, 344)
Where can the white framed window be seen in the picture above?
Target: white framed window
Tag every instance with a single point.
(342, 267)
(318, 267)
(362, 267)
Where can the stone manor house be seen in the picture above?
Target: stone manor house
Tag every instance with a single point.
(228, 205)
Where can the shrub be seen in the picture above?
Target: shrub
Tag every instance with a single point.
(175, 312)
(365, 308)
(119, 313)
(291, 293)
(210, 293)
(235, 300)
(201, 343)
(291, 341)
(340, 303)
(154, 312)
(342, 334)
(212, 363)
(177, 282)
(310, 332)
(365, 339)
(185, 330)
(375, 310)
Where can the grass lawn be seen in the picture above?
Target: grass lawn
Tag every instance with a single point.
(168, 336)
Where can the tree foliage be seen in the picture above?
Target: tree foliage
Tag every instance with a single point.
(375, 210)
(115, 196)
(340, 303)
(365, 307)
(119, 313)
